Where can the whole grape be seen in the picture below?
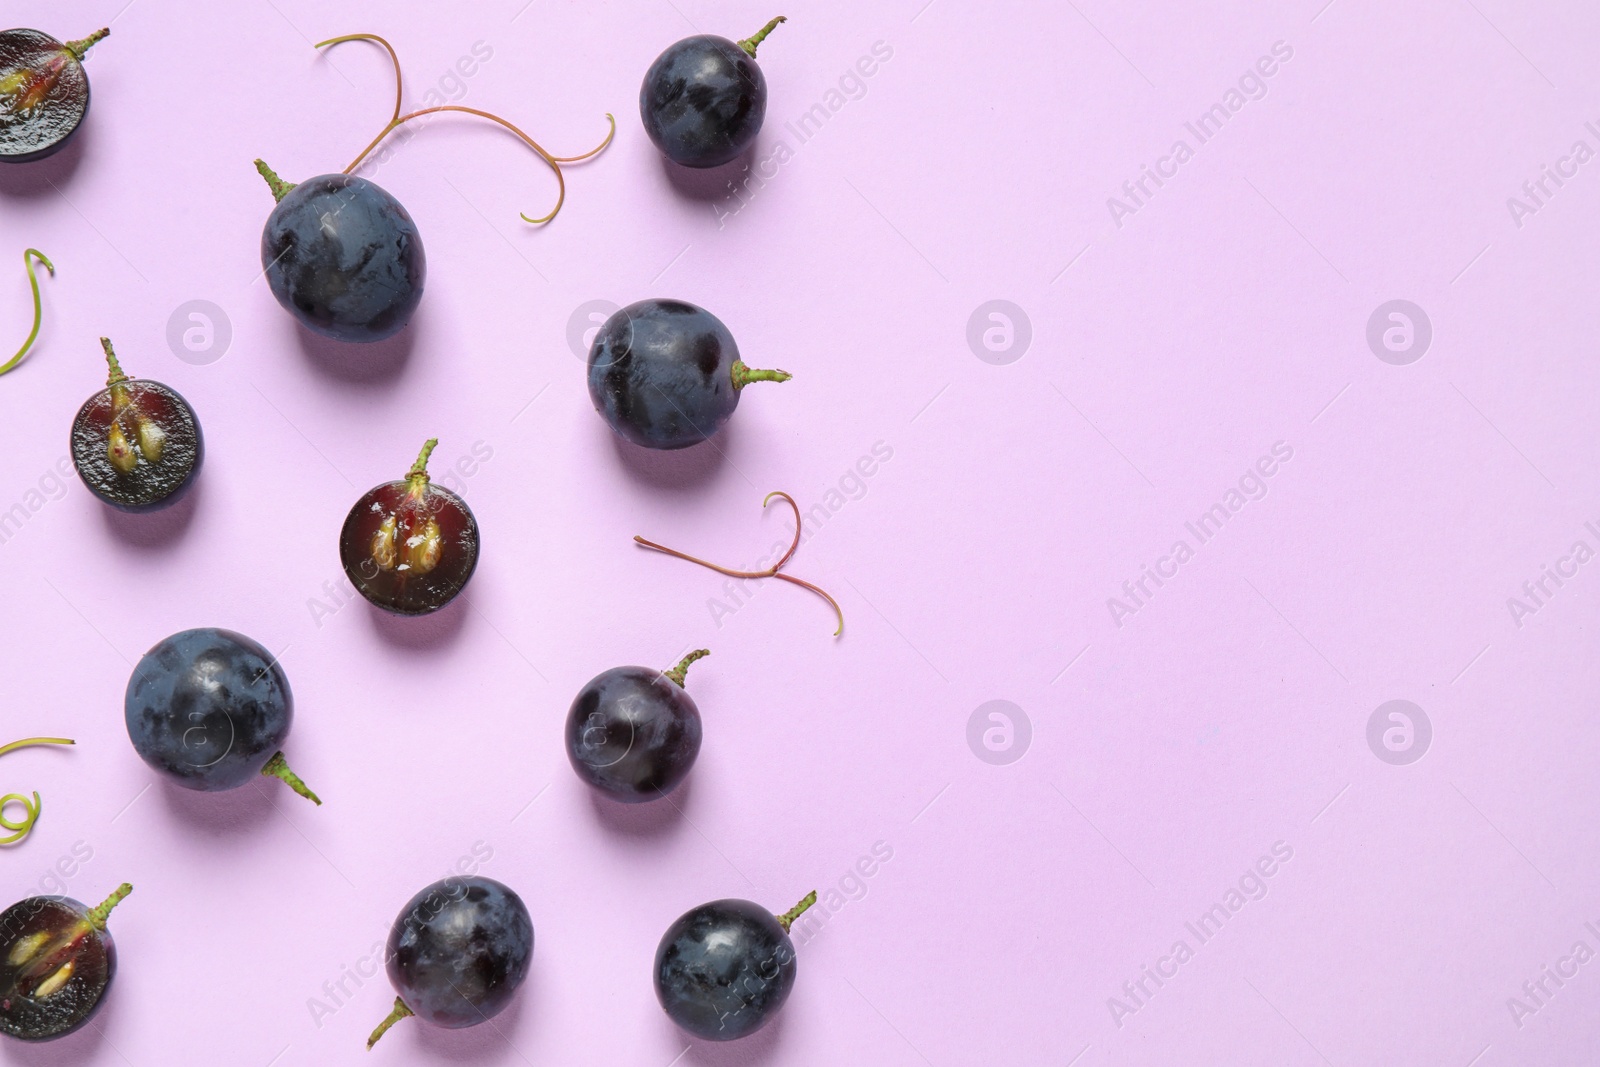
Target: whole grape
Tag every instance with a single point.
(457, 952)
(342, 256)
(703, 100)
(210, 709)
(633, 733)
(667, 374)
(724, 969)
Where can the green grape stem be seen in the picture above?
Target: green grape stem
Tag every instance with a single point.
(787, 919)
(278, 767)
(400, 1012)
(743, 375)
(98, 915)
(79, 49)
(116, 377)
(419, 469)
(677, 673)
(279, 187)
(751, 43)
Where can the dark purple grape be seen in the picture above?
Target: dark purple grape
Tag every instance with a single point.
(136, 443)
(666, 374)
(704, 98)
(410, 546)
(57, 960)
(456, 953)
(44, 93)
(210, 709)
(724, 969)
(633, 733)
(342, 256)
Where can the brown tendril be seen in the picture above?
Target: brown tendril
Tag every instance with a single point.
(770, 572)
(397, 120)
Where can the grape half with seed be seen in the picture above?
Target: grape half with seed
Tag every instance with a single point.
(410, 546)
(57, 960)
(44, 92)
(136, 443)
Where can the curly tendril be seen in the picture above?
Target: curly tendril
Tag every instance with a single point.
(19, 830)
(397, 120)
(770, 572)
(25, 827)
(28, 256)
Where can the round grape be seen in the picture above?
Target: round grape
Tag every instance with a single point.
(342, 256)
(633, 733)
(457, 952)
(209, 709)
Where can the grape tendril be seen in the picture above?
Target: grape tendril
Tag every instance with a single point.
(772, 571)
(19, 830)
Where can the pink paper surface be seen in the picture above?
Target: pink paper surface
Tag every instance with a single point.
(1176, 741)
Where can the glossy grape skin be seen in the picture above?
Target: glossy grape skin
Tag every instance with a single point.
(633, 733)
(459, 950)
(402, 589)
(149, 486)
(724, 969)
(703, 101)
(344, 258)
(59, 90)
(69, 936)
(208, 708)
(661, 373)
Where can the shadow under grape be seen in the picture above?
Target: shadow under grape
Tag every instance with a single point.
(155, 531)
(376, 363)
(676, 469)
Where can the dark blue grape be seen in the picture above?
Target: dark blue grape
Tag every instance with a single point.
(666, 374)
(724, 969)
(457, 952)
(342, 256)
(703, 99)
(633, 733)
(210, 709)
(57, 960)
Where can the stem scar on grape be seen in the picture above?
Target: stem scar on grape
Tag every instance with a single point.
(397, 120)
(772, 571)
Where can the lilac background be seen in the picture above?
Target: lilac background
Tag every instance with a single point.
(1228, 313)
